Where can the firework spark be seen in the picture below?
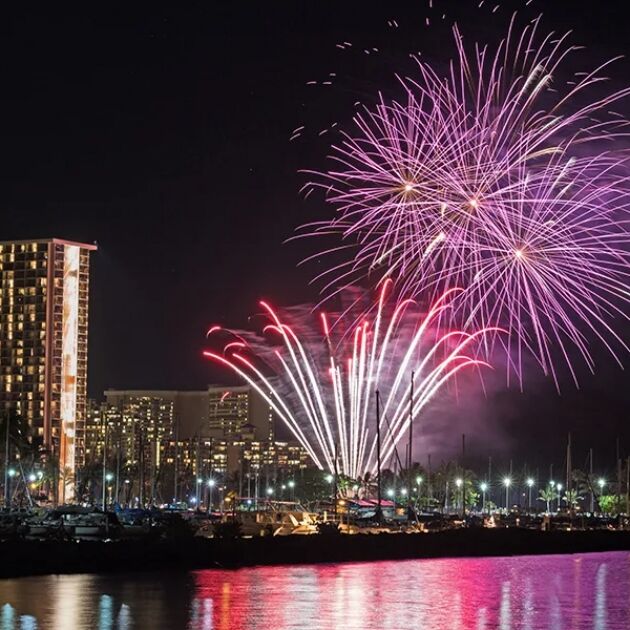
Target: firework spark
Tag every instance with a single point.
(491, 179)
(329, 405)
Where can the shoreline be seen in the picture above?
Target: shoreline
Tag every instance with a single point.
(30, 558)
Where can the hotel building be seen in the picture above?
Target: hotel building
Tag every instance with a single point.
(43, 344)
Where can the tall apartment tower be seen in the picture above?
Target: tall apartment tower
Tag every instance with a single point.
(43, 344)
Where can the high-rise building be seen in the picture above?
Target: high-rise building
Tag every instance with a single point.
(43, 343)
(217, 412)
(231, 409)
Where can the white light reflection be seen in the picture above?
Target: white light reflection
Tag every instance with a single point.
(600, 622)
(8, 615)
(124, 618)
(528, 606)
(207, 614)
(482, 619)
(105, 617)
(505, 613)
(28, 622)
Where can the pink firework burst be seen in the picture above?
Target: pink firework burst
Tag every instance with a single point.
(495, 178)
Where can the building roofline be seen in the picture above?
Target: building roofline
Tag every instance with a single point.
(56, 241)
(164, 392)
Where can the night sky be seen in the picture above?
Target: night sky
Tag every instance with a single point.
(163, 134)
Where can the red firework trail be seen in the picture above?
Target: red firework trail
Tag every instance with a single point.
(330, 403)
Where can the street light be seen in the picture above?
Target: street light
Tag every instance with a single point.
(108, 478)
(601, 482)
(9, 474)
(404, 492)
(484, 489)
(329, 478)
(211, 484)
(418, 489)
(291, 485)
(559, 487)
(390, 492)
(507, 482)
(198, 490)
(458, 483)
(269, 491)
(32, 477)
(530, 485)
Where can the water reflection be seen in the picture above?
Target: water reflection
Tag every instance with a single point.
(576, 592)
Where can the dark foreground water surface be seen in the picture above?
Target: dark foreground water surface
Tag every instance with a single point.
(537, 592)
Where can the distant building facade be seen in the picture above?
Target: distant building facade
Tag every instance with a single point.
(231, 409)
(164, 440)
(44, 291)
(217, 412)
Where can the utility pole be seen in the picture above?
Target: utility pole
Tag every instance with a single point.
(175, 462)
(198, 474)
(490, 478)
(379, 513)
(104, 458)
(335, 484)
(464, 477)
(590, 479)
(507, 490)
(429, 485)
(118, 470)
(569, 471)
(410, 463)
(141, 472)
(619, 476)
(6, 461)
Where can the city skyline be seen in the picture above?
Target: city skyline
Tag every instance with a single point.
(193, 189)
(315, 313)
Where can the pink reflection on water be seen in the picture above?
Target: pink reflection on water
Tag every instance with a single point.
(560, 592)
(585, 591)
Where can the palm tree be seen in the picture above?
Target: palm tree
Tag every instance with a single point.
(66, 477)
(547, 495)
(572, 497)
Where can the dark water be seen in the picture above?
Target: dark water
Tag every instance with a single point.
(582, 591)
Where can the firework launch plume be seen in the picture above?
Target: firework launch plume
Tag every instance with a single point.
(495, 177)
(329, 404)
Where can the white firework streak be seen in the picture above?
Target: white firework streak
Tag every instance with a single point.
(329, 406)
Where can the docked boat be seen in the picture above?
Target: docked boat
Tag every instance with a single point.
(72, 522)
(272, 518)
